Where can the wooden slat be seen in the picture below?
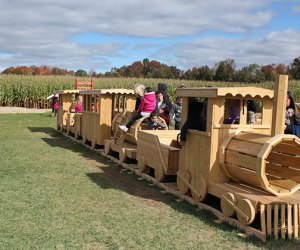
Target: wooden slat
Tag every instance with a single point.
(243, 174)
(283, 172)
(289, 221)
(276, 220)
(242, 160)
(298, 205)
(283, 224)
(296, 222)
(269, 219)
(283, 159)
(287, 148)
(285, 184)
(245, 147)
(263, 219)
(251, 137)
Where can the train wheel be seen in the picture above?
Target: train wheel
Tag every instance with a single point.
(141, 164)
(199, 188)
(248, 211)
(107, 149)
(122, 155)
(159, 173)
(183, 177)
(225, 207)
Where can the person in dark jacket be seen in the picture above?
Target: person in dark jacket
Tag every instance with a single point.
(196, 119)
(289, 113)
(162, 106)
(163, 88)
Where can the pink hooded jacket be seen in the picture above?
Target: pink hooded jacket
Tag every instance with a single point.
(78, 108)
(148, 103)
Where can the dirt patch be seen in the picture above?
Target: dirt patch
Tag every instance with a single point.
(17, 110)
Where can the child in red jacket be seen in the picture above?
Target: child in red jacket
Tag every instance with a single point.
(147, 105)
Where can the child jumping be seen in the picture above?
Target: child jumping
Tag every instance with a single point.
(148, 104)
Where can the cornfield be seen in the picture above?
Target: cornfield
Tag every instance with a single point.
(31, 91)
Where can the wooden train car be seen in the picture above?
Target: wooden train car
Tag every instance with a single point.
(74, 121)
(125, 144)
(158, 149)
(67, 120)
(65, 101)
(99, 108)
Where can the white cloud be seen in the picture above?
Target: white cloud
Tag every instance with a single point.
(296, 6)
(41, 32)
(276, 47)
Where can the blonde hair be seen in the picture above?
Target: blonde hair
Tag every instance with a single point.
(139, 89)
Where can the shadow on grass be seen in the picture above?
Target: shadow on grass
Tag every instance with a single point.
(113, 176)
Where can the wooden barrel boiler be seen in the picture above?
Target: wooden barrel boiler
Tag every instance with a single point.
(262, 161)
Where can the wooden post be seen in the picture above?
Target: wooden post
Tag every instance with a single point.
(279, 105)
(76, 81)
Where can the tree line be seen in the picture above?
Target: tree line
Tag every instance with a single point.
(222, 71)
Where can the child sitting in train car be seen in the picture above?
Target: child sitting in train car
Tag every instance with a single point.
(78, 104)
(175, 113)
(147, 105)
(153, 122)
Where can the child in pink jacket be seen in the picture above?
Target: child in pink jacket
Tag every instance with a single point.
(148, 104)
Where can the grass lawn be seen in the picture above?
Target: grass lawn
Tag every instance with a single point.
(57, 194)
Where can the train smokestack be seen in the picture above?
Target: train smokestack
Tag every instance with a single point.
(279, 105)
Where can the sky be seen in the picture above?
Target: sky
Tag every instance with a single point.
(103, 34)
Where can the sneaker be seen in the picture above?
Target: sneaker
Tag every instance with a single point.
(123, 128)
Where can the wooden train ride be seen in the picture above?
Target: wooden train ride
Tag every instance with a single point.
(253, 169)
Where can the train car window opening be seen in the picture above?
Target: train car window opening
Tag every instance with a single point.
(232, 111)
(254, 108)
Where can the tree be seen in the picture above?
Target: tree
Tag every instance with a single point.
(58, 71)
(92, 73)
(281, 69)
(81, 73)
(269, 72)
(251, 73)
(146, 68)
(225, 70)
(205, 73)
(295, 68)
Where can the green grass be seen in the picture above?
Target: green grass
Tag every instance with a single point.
(57, 194)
